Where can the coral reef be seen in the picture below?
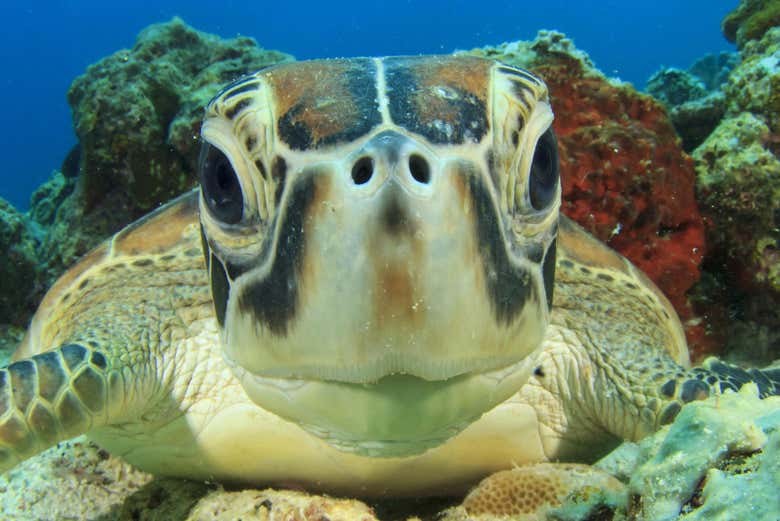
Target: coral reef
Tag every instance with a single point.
(675, 86)
(625, 177)
(754, 85)
(18, 266)
(713, 69)
(137, 115)
(750, 20)
(738, 187)
(693, 97)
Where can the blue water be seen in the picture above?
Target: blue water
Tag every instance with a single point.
(47, 44)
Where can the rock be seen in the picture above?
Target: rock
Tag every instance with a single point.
(754, 85)
(137, 115)
(696, 119)
(18, 267)
(713, 69)
(675, 86)
(750, 20)
(693, 96)
(625, 177)
(738, 187)
(694, 111)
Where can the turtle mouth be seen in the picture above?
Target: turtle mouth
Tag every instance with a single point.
(399, 415)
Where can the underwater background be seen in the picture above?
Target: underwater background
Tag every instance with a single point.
(45, 45)
(679, 172)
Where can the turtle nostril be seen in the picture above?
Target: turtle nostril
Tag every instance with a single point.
(419, 168)
(362, 170)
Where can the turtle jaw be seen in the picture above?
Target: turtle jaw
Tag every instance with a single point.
(398, 416)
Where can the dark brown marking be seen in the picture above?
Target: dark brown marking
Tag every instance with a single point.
(397, 293)
(279, 175)
(523, 92)
(220, 289)
(520, 73)
(508, 286)
(23, 378)
(239, 87)
(394, 218)
(548, 273)
(250, 142)
(261, 168)
(274, 300)
(73, 355)
(236, 109)
(493, 168)
(670, 413)
(668, 389)
(325, 102)
(605, 277)
(51, 377)
(442, 98)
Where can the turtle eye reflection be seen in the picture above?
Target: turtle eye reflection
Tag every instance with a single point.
(220, 186)
(543, 178)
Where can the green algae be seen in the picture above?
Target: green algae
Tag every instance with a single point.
(750, 20)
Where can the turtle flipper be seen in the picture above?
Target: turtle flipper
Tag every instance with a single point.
(51, 397)
(713, 377)
(733, 377)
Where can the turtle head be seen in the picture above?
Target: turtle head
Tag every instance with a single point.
(380, 239)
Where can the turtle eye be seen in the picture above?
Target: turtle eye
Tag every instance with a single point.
(220, 186)
(543, 178)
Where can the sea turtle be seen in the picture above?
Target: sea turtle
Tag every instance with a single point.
(371, 293)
